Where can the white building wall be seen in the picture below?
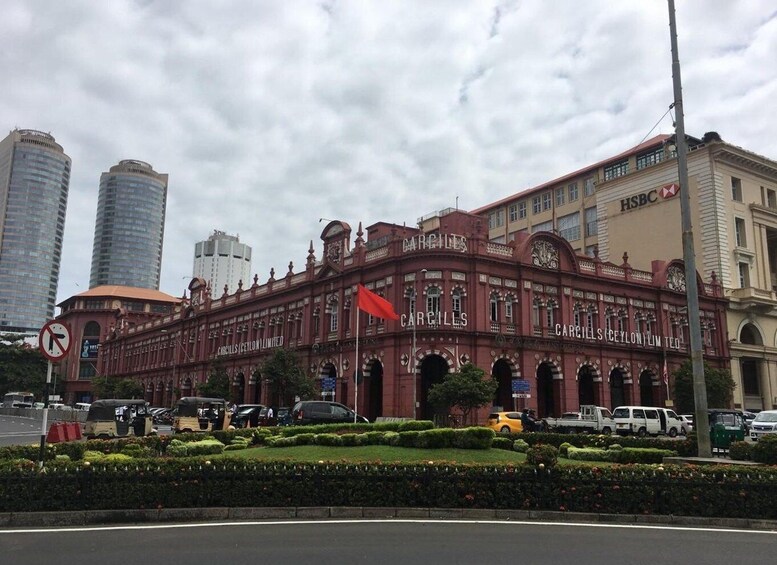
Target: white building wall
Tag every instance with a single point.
(222, 260)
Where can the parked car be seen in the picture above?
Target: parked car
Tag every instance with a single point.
(765, 422)
(323, 412)
(283, 416)
(163, 416)
(748, 417)
(505, 422)
(687, 422)
(248, 415)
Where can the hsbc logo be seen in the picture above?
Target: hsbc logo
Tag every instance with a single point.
(639, 200)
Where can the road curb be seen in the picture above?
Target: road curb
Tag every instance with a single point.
(79, 518)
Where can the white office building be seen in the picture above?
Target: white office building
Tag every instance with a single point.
(223, 261)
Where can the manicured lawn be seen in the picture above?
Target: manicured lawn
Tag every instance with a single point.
(386, 454)
(379, 454)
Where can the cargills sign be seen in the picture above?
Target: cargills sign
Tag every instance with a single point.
(430, 241)
(435, 319)
(249, 346)
(641, 339)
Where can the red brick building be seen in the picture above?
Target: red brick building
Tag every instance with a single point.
(579, 330)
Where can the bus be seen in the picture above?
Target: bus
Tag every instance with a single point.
(18, 400)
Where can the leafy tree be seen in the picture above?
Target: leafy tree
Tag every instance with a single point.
(720, 388)
(114, 387)
(285, 378)
(217, 385)
(22, 368)
(466, 390)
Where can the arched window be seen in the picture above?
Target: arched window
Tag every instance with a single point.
(334, 313)
(590, 320)
(638, 318)
(92, 329)
(622, 320)
(433, 301)
(609, 319)
(577, 315)
(536, 320)
(550, 313)
(494, 310)
(456, 305)
(509, 299)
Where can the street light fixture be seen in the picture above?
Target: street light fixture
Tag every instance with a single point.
(176, 363)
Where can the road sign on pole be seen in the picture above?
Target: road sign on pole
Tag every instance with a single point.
(54, 340)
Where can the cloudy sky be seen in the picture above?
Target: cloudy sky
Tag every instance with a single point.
(268, 115)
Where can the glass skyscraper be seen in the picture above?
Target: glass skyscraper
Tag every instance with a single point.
(130, 226)
(34, 182)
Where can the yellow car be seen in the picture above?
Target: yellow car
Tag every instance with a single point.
(505, 422)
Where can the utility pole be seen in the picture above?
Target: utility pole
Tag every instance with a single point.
(701, 419)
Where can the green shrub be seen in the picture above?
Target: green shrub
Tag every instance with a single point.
(118, 458)
(415, 426)
(590, 454)
(739, 450)
(642, 455)
(278, 441)
(305, 439)
(136, 450)
(765, 449)
(391, 438)
(209, 446)
(236, 446)
(93, 456)
(563, 449)
(407, 439)
(435, 439)
(615, 447)
(374, 438)
(62, 457)
(546, 455)
(502, 443)
(520, 446)
(332, 440)
(259, 435)
(473, 438)
(177, 450)
(349, 440)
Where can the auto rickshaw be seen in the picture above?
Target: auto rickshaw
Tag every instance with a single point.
(118, 418)
(199, 414)
(726, 426)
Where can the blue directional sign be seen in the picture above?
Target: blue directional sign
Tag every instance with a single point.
(521, 385)
(328, 384)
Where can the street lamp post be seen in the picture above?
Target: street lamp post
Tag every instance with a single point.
(176, 357)
(413, 357)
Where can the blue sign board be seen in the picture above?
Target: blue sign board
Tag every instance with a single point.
(521, 385)
(328, 384)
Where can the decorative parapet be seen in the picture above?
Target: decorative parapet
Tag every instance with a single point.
(588, 266)
(613, 271)
(642, 276)
(378, 253)
(499, 249)
(299, 278)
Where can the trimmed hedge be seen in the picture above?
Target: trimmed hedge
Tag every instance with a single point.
(236, 482)
(765, 449)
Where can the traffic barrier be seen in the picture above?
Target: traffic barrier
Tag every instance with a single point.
(73, 431)
(57, 433)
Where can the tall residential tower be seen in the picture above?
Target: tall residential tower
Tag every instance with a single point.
(34, 182)
(130, 226)
(222, 261)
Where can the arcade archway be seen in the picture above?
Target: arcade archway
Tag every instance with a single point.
(546, 397)
(502, 372)
(373, 389)
(647, 395)
(617, 389)
(586, 386)
(433, 370)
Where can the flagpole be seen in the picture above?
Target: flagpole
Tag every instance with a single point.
(356, 368)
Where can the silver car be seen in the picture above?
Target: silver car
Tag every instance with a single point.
(764, 423)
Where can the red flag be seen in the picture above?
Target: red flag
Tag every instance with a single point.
(374, 304)
(666, 374)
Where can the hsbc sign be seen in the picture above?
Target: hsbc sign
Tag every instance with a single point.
(645, 198)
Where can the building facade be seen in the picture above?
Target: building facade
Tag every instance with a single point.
(634, 208)
(34, 182)
(578, 330)
(93, 314)
(223, 262)
(129, 230)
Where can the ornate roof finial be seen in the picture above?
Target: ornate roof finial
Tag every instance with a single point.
(240, 285)
(291, 269)
(714, 277)
(226, 290)
(256, 280)
(625, 259)
(311, 256)
(359, 234)
(272, 274)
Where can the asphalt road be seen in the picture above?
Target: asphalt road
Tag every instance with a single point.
(19, 431)
(379, 542)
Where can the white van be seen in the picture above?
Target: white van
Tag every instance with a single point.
(646, 420)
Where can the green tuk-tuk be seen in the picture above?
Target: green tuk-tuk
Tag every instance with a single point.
(111, 418)
(199, 414)
(726, 426)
